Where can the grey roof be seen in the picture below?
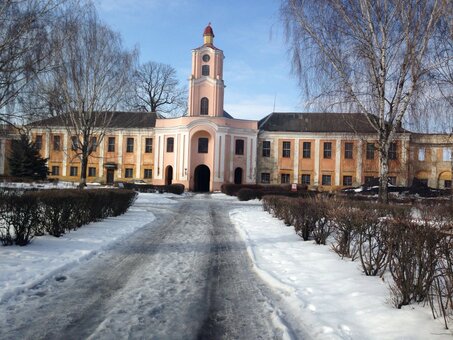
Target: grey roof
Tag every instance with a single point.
(227, 115)
(116, 119)
(316, 122)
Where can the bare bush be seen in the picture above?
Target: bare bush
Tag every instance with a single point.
(348, 221)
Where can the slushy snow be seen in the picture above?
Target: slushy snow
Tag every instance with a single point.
(332, 297)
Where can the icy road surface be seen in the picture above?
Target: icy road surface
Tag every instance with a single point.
(185, 275)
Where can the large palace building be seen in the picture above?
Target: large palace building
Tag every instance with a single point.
(209, 147)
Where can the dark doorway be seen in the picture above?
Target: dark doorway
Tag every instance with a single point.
(110, 176)
(202, 177)
(238, 176)
(169, 175)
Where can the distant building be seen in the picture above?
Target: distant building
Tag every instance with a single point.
(208, 147)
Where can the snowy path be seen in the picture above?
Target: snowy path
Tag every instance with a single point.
(185, 275)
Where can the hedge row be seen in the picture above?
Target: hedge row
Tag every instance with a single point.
(412, 245)
(24, 216)
(246, 192)
(177, 189)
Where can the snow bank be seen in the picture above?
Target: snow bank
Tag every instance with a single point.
(24, 267)
(333, 299)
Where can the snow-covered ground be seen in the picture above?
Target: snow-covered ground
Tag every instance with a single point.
(332, 297)
(24, 267)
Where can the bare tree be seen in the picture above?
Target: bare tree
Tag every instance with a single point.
(24, 48)
(368, 55)
(88, 80)
(155, 88)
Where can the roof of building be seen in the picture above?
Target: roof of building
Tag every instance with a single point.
(316, 122)
(115, 119)
(227, 115)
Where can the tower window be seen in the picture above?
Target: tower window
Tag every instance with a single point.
(170, 144)
(205, 70)
(239, 147)
(204, 106)
(266, 148)
(203, 145)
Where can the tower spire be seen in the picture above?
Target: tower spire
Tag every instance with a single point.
(208, 35)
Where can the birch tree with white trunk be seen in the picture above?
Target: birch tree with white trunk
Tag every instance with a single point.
(372, 56)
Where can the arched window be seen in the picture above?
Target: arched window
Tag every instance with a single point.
(205, 70)
(204, 110)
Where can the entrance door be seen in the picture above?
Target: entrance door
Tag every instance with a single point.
(202, 178)
(169, 175)
(238, 176)
(110, 176)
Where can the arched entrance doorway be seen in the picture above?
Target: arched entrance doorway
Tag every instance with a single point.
(238, 176)
(202, 178)
(168, 175)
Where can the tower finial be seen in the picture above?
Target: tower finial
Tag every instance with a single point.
(208, 35)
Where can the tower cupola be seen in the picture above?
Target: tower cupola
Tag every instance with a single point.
(208, 35)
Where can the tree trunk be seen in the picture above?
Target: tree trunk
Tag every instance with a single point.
(83, 171)
(383, 177)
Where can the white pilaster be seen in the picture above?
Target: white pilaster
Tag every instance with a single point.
(232, 160)
(2, 156)
(186, 157)
(176, 150)
(101, 158)
(248, 159)
(120, 155)
(182, 150)
(161, 165)
(359, 162)
(65, 154)
(254, 153)
(47, 147)
(138, 173)
(337, 161)
(275, 146)
(317, 157)
(217, 145)
(296, 161)
(222, 157)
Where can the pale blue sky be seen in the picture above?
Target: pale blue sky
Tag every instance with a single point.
(257, 66)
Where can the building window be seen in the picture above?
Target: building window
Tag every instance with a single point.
(91, 172)
(38, 142)
(56, 143)
(94, 144)
(239, 147)
(148, 173)
(130, 145)
(326, 180)
(55, 170)
(347, 180)
(111, 145)
(369, 150)
(421, 154)
(306, 150)
(368, 179)
(392, 180)
(327, 150)
(305, 179)
(205, 70)
(74, 143)
(392, 151)
(129, 173)
(286, 149)
(204, 106)
(265, 177)
(73, 171)
(447, 184)
(284, 178)
(348, 148)
(148, 145)
(266, 148)
(203, 145)
(170, 144)
(446, 154)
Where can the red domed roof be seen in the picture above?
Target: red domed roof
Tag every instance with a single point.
(208, 30)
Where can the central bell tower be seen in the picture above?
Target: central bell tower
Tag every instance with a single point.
(206, 85)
